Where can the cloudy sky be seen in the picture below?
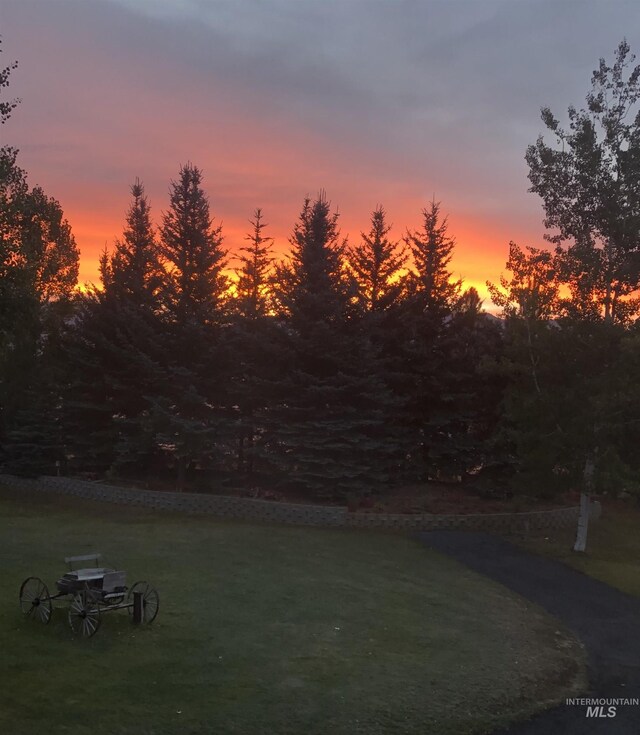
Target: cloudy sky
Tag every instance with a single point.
(377, 101)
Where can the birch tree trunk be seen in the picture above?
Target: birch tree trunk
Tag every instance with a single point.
(585, 502)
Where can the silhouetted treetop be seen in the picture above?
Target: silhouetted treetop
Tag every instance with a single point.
(253, 287)
(376, 264)
(311, 285)
(192, 248)
(432, 249)
(590, 187)
(134, 269)
(7, 106)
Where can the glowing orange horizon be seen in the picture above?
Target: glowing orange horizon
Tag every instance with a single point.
(138, 109)
(476, 257)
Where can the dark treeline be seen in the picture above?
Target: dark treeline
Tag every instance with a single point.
(344, 368)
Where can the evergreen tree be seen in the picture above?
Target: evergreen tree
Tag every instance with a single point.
(311, 287)
(254, 277)
(423, 381)
(135, 271)
(432, 248)
(190, 413)
(133, 283)
(464, 418)
(88, 407)
(192, 248)
(252, 341)
(326, 430)
(116, 351)
(376, 267)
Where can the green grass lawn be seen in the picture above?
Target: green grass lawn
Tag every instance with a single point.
(267, 630)
(613, 548)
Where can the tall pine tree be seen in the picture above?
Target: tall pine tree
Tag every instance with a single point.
(192, 248)
(253, 341)
(190, 412)
(424, 382)
(135, 270)
(432, 248)
(326, 430)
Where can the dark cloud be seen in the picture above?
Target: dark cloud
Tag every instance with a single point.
(373, 99)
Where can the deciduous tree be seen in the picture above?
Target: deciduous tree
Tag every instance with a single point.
(589, 183)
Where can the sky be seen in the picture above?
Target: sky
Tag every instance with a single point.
(391, 102)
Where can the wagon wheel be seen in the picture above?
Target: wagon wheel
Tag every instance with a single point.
(35, 601)
(84, 614)
(150, 601)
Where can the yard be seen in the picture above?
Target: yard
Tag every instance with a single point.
(613, 547)
(267, 629)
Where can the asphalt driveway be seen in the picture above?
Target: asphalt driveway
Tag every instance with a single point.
(606, 620)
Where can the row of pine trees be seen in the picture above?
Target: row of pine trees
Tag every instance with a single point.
(342, 368)
(337, 371)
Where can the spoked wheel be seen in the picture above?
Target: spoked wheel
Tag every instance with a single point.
(84, 615)
(35, 601)
(150, 601)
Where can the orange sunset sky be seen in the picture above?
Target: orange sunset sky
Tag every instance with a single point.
(376, 101)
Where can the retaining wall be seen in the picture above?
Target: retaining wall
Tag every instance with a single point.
(299, 514)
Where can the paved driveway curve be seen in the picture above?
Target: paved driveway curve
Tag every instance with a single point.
(606, 620)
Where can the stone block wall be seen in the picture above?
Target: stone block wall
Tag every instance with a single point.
(299, 514)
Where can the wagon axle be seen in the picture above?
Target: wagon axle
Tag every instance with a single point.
(90, 591)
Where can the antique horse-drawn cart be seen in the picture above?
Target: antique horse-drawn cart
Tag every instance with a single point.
(90, 591)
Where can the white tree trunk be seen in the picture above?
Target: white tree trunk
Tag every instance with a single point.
(585, 502)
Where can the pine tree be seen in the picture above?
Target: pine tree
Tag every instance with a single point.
(88, 410)
(432, 249)
(133, 295)
(254, 277)
(326, 428)
(190, 411)
(463, 418)
(192, 248)
(251, 343)
(116, 349)
(311, 288)
(426, 389)
(376, 266)
(135, 271)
